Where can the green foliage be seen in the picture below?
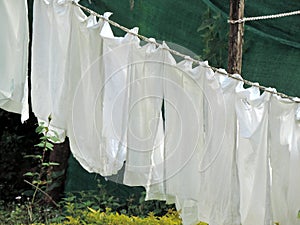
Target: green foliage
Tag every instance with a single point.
(41, 179)
(92, 216)
(20, 213)
(134, 205)
(74, 210)
(215, 37)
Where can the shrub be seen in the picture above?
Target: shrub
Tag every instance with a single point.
(133, 205)
(18, 214)
(97, 217)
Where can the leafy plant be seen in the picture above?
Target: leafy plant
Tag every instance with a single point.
(40, 178)
(133, 205)
(91, 216)
(215, 37)
(91, 208)
(17, 213)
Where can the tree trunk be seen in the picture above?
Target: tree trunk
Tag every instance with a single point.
(236, 36)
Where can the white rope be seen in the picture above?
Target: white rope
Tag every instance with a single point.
(250, 83)
(274, 16)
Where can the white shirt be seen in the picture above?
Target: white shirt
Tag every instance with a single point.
(14, 39)
(253, 155)
(72, 81)
(100, 100)
(219, 191)
(49, 64)
(285, 160)
(145, 135)
(184, 134)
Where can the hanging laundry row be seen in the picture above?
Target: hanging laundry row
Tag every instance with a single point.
(14, 40)
(223, 154)
(190, 136)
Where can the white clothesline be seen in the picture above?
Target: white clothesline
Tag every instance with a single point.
(273, 16)
(148, 40)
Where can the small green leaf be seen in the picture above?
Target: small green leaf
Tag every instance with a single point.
(41, 145)
(33, 156)
(53, 164)
(206, 24)
(44, 138)
(30, 174)
(49, 146)
(36, 182)
(49, 181)
(40, 129)
(45, 164)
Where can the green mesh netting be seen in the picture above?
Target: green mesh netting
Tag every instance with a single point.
(80, 180)
(271, 53)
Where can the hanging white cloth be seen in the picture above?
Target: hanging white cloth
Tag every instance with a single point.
(84, 70)
(218, 195)
(14, 39)
(184, 136)
(145, 136)
(285, 160)
(199, 109)
(79, 80)
(49, 64)
(253, 155)
(98, 141)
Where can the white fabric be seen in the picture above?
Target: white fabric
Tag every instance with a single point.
(285, 161)
(199, 109)
(98, 141)
(145, 136)
(184, 126)
(218, 195)
(184, 134)
(14, 39)
(49, 65)
(84, 70)
(72, 82)
(252, 155)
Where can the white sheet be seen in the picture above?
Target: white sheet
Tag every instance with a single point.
(14, 40)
